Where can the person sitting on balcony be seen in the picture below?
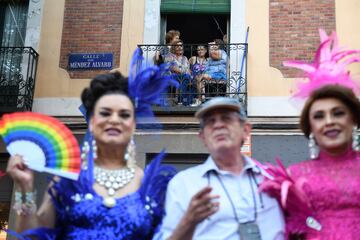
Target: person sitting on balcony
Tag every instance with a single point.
(179, 62)
(170, 38)
(197, 67)
(225, 39)
(216, 66)
(180, 68)
(215, 71)
(226, 42)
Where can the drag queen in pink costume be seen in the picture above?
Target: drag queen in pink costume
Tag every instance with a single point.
(321, 196)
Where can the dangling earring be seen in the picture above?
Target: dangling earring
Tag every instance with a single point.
(94, 149)
(355, 139)
(84, 155)
(130, 154)
(85, 150)
(313, 147)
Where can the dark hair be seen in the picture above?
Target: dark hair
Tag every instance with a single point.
(343, 94)
(170, 35)
(103, 84)
(219, 42)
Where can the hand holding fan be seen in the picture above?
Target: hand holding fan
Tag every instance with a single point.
(45, 143)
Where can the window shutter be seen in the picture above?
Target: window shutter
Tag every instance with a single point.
(195, 6)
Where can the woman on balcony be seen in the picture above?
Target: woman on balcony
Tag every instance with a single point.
(198, 66)
(321, 196)
(180, 69)
(213, 81)
(216, 66)
(179, 64)
(98, 206)
(170, 38)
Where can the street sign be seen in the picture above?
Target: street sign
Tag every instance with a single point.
(91, 61)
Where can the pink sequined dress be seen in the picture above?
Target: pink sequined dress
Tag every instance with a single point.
(331, 187)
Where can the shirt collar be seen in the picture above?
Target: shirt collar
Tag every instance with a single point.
(250, 163)
(208, 166)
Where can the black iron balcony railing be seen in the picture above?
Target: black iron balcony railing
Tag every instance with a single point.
(224, 74)
(17, 78)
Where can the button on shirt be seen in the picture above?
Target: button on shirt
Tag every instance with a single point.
(223, 224)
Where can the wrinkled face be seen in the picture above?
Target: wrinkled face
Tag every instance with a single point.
(213, 46)
(179, 48)
(113, 120)
(201, 50)
(331, 123)
(223, 131)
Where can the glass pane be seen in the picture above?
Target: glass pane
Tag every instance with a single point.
(14, 24)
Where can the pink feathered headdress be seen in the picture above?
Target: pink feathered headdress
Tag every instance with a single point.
(328, 68)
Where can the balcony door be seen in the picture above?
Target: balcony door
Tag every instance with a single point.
(198, 28)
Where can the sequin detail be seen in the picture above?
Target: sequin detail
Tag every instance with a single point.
(82, 215)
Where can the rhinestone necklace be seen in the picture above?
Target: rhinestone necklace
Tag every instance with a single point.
(113, 180)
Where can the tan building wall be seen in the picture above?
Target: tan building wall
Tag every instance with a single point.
(268, 89)
(264, 80)
(132, 32)
(266, 84)
(347, 25)
(53, 81)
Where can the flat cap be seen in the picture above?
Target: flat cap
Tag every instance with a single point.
(221, 103)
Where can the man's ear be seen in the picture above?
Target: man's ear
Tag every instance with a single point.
(202, 137)
(247, 130)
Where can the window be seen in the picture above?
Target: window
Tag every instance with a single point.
(199, 21)
(13, 18)
(198, 28)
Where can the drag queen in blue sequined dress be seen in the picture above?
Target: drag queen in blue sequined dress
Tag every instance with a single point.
(113, 198)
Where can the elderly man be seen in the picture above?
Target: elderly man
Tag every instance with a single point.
(219, 199)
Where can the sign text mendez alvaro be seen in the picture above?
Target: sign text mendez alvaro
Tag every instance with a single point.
(90, 61)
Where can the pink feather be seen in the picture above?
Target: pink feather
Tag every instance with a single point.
(291, 196)
(284, 192)
(328, 68)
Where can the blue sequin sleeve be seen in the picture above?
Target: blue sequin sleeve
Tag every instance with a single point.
(82, 215)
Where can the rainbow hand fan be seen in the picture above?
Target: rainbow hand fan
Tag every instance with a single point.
(45, 143)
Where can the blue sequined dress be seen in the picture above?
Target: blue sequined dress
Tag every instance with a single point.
(82, 215)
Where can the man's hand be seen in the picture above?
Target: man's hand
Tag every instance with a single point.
(202, 206)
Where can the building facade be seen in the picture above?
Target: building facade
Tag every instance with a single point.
(59, 31)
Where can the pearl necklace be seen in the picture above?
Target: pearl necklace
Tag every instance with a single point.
(113, 180)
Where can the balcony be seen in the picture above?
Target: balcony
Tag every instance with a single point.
(17, 78)
(233, 84)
